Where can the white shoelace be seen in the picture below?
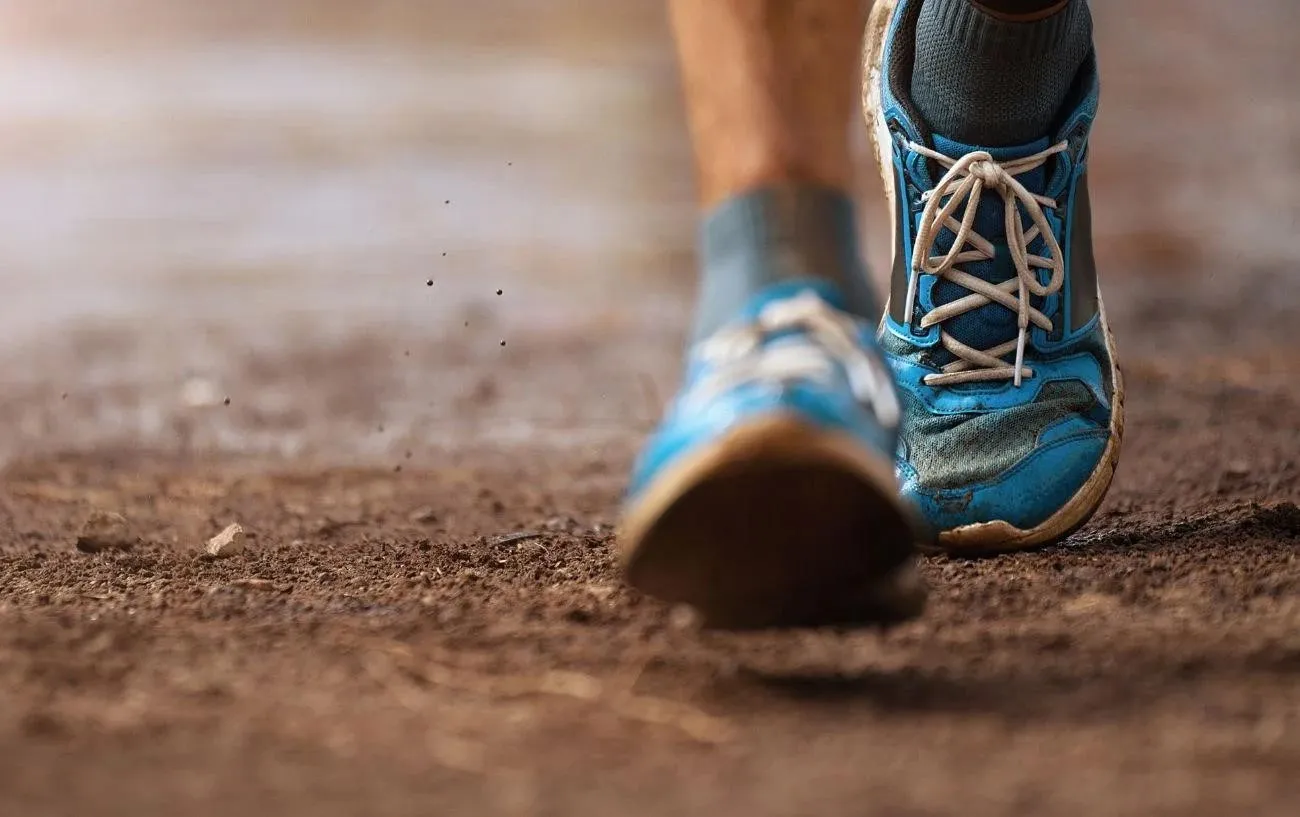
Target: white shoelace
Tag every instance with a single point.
(738, 355)
(966, 180)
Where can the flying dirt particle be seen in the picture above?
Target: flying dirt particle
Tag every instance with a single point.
(448, 201)
(498, 292)
(503, 343)
(510, 164)
(227, 543)
(466, 324)
(408, 455)
(407, 353)
(397, 469)
(65, 396)
(444, 255)
(104, 530)
(380, 429)
(226, 402)
(429, 282)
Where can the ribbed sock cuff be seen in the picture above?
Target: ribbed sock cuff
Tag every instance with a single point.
(988, 81)
(978, 30)
(774, 234)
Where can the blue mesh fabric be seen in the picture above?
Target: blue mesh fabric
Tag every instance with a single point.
(952, 451)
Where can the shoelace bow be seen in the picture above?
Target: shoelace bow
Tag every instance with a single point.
(740, 356)
(965, 182)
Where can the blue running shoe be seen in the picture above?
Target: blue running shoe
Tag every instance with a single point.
(767, 497)
(1012, 402)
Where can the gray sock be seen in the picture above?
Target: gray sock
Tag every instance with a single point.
(992, 82)
(774, 234)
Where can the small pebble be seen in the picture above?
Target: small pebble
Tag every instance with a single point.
(104, 530)
(227, 543)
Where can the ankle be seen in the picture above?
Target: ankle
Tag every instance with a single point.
(776, 234)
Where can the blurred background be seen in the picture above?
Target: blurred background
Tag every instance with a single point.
(248, 200)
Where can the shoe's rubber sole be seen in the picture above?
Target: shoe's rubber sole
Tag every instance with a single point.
(994, 536)
(777, 524)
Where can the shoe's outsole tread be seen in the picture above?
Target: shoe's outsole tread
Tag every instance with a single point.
(775, 525)
(996, 536)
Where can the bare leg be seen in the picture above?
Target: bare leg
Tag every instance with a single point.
(770, 89)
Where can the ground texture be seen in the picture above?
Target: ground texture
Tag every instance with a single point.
(221, 313)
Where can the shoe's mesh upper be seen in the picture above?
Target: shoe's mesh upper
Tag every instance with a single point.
(958, 451)
(961, 451)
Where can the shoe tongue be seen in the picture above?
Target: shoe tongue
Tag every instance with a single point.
(991, 324)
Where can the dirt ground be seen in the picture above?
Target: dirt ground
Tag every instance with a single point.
(219, 232)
